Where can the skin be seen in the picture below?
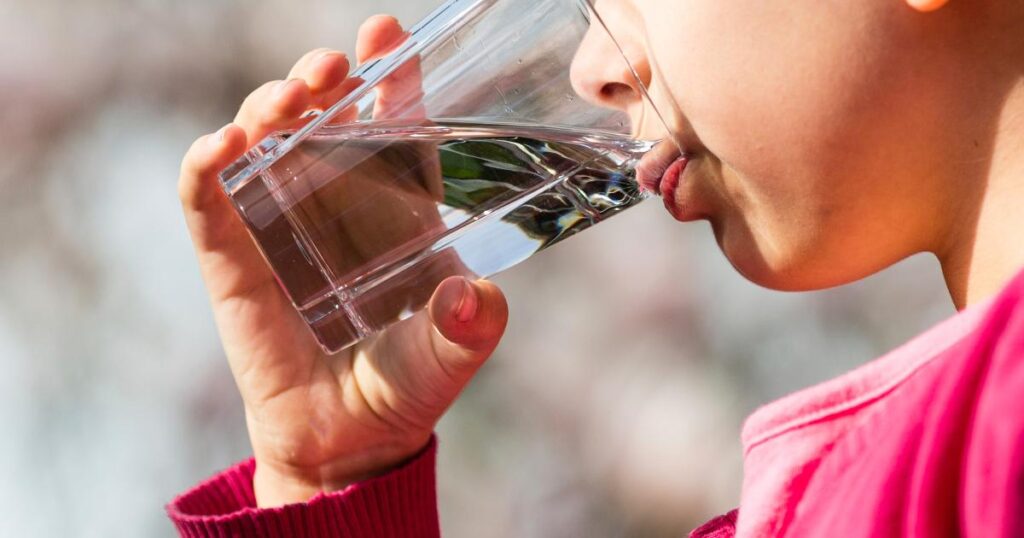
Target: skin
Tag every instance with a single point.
(861, 134)
(319, 422)
(819, 165)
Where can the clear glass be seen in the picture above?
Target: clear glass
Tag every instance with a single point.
(462, 152)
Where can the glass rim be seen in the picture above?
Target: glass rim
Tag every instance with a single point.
(445, 19)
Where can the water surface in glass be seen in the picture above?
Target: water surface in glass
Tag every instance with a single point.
(363, 221)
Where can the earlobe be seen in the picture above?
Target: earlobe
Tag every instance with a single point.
(926, 5)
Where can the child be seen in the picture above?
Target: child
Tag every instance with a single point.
(825, 141)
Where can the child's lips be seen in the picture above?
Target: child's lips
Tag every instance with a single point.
(652, 167)
(660, 172)
(669, 185)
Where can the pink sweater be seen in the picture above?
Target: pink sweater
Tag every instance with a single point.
(926, 441)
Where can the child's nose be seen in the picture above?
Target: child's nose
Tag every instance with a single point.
(601, 75)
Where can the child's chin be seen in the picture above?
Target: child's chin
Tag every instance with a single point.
(783, 271)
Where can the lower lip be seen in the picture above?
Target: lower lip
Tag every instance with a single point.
(669, 185)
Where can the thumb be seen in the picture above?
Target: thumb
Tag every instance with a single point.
(470, 319)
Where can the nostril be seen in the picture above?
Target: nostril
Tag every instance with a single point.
(618, 93)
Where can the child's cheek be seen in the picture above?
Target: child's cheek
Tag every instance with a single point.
(752, 91)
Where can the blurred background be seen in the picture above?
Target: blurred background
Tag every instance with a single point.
(612, 408)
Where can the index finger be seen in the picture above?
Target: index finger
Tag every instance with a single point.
(400, 94)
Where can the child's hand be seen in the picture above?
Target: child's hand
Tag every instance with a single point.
(319, 422)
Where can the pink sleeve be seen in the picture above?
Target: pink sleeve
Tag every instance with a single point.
(400, 504)
(720, 527)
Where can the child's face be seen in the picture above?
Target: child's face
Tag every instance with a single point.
(812, 125)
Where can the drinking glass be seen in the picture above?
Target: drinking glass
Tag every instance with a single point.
(463, 151)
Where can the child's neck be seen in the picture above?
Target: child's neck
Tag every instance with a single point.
(986, 251)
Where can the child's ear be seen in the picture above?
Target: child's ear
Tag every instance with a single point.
(926, 5)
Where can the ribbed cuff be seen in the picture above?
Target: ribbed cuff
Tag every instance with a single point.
(399, 504)
(720, 527)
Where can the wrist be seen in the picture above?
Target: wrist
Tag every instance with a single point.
(277, 484)
(273, 488)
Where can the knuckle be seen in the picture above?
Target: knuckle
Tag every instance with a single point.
(188, 162)
(258, 94)
(190, 169)
(381, 18)
(303, 62)
(185, 191)
(253, 103)
(315, 53)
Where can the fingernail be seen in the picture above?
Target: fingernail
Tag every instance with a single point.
(468, 305)
(218, 137)
(325, 54)
(281, 87)
(223, 133)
